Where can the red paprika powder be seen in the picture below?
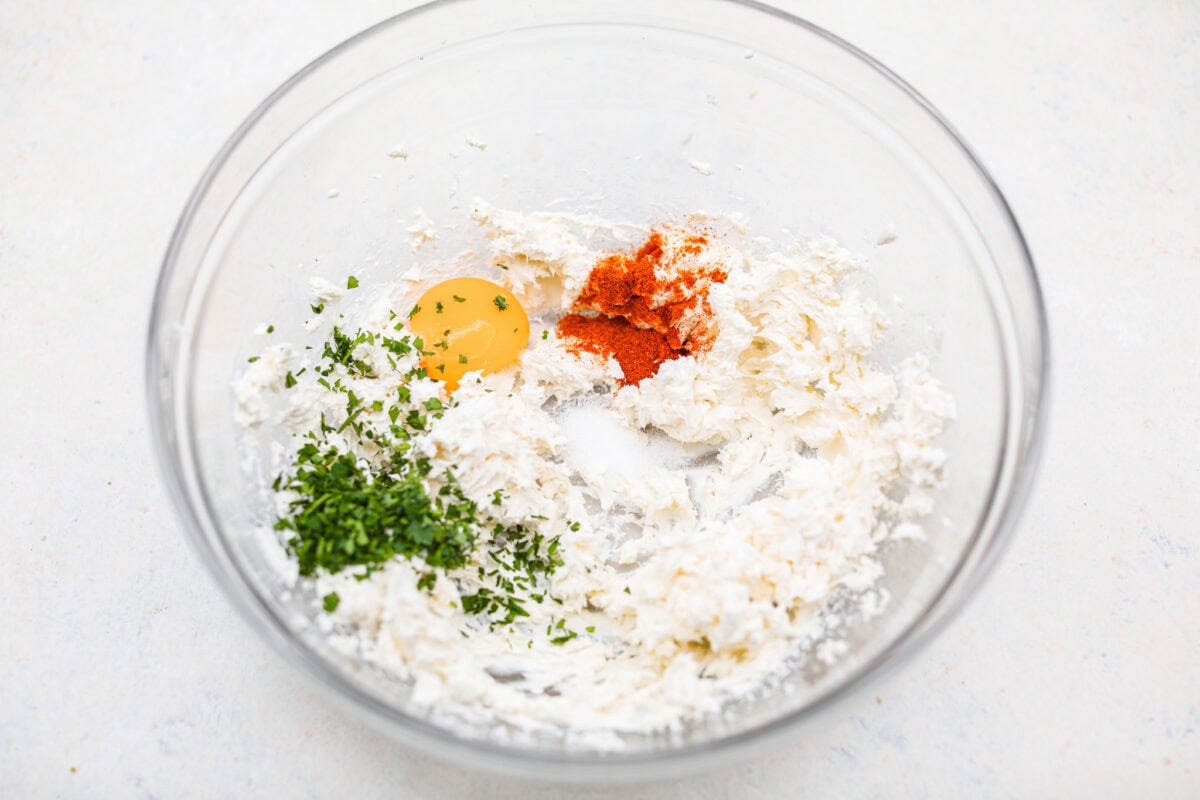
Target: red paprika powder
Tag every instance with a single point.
(643, 303)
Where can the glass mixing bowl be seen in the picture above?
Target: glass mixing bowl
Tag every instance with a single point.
(633, 111)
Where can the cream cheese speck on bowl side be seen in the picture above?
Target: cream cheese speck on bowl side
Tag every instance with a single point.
(699, 521)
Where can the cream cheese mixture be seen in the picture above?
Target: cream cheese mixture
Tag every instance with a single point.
(704, 515)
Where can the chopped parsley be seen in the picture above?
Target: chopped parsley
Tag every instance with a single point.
(545, 334)
(500, 302)
(560, 634)
(270, 329)
(439, 308)
(345, 516)
(458, 299)
(342, 351)
(397, 347)
(318, 308)
(352, 282)
(330, 601)
(346, 511)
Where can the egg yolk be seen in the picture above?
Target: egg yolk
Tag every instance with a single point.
(468, 324)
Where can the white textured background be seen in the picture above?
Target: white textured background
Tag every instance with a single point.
(1075, 673)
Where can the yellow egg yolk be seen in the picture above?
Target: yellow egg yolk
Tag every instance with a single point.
(468, 324)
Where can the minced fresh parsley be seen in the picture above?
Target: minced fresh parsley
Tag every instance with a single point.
(500, 302)
(345, 512)
(346, 516)
(559, 633)
(352, 282)
(330, 601)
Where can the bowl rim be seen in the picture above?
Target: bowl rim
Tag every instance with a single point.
(441, 742)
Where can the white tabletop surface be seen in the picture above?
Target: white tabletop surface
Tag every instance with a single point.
(1074, 673)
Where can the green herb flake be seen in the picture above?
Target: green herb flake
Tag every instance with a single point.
(545, 335)
(458, 299)
(289, 380)
(270, 329)
(352, 282)
(398, 347)
(439, 308)
(566, 635)
(330, 602)
(318, 308)
(462, 359)
(500, 302)
(252, 359)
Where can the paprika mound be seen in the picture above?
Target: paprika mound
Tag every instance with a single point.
(646, 307)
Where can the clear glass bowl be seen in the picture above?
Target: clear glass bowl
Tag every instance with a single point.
(599, 107)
